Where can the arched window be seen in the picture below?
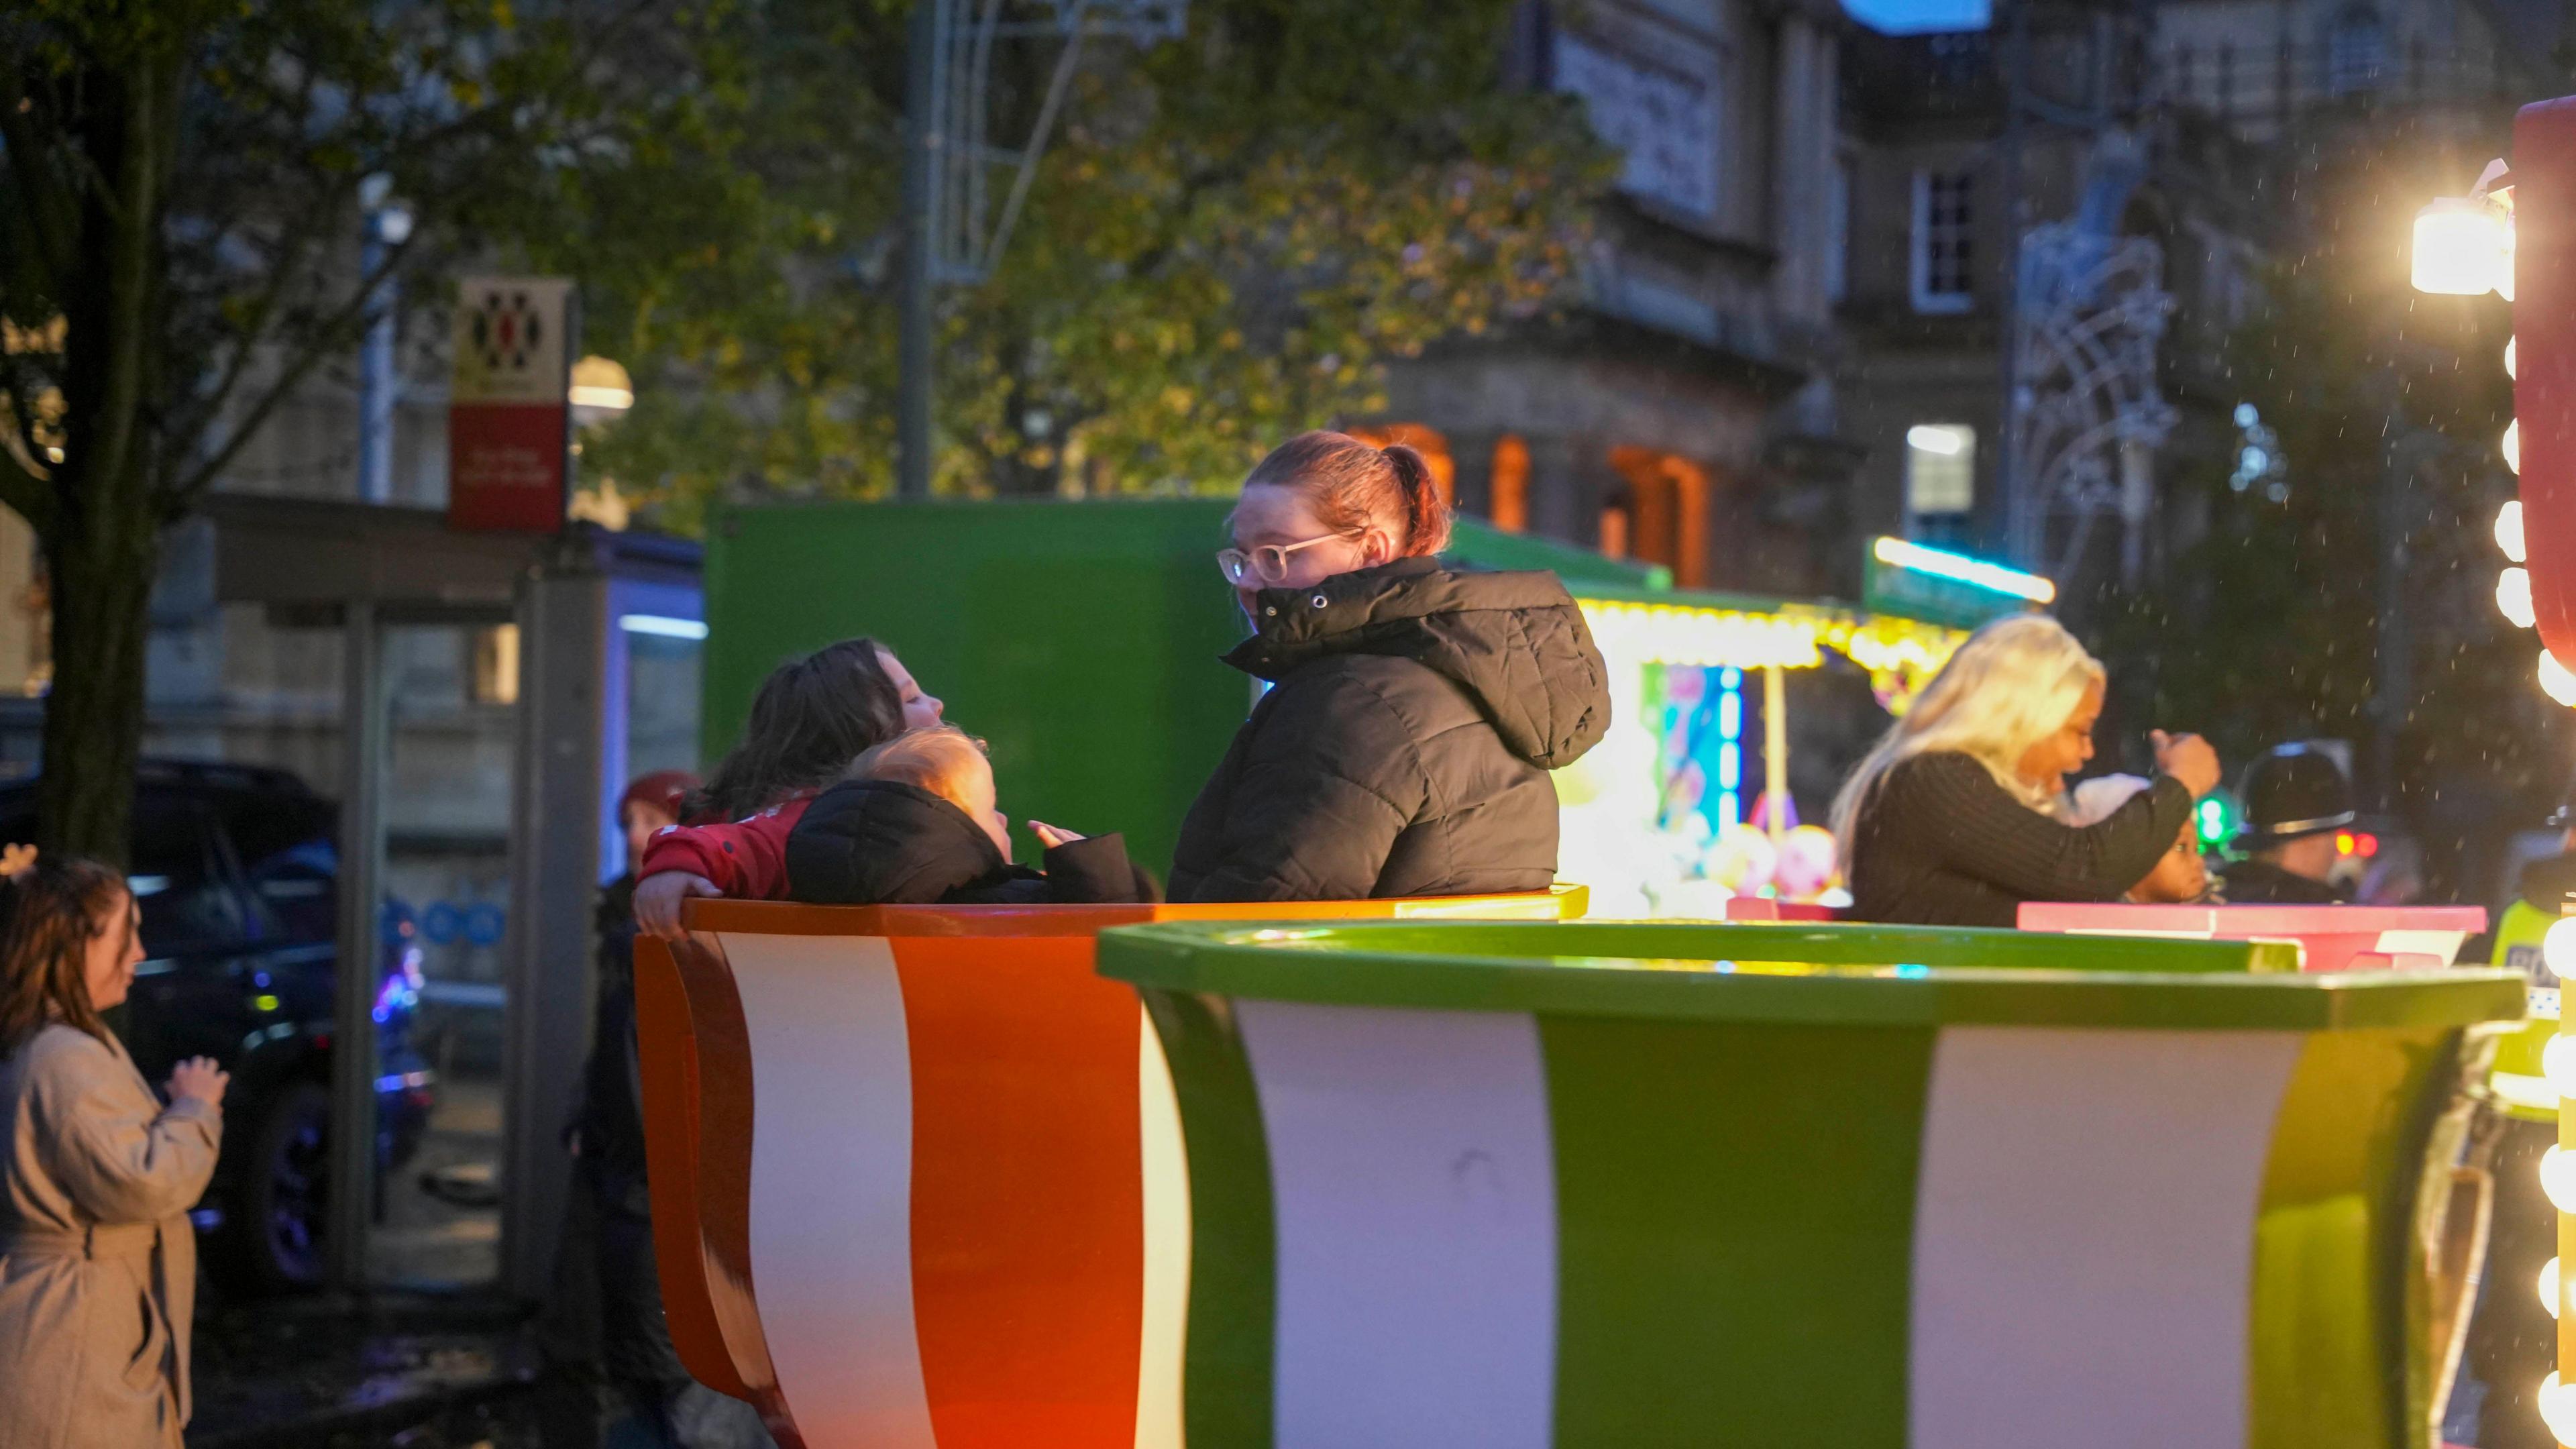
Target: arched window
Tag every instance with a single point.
(2356, 51)
(1508, 504)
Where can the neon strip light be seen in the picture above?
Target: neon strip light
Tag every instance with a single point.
(1977, 572)
(1730, 755)
(663, 625)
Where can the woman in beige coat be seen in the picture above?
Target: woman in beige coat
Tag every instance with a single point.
(97, 1266)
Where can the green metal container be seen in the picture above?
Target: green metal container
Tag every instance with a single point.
(1595, 1184)
(1080, 639)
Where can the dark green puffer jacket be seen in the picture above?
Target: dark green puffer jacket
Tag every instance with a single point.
(1405, 748)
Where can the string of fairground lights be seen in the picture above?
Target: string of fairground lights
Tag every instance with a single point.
(2465, 246)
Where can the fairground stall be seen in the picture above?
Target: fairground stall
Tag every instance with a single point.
(1687, 804)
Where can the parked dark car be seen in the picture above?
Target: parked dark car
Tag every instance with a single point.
(237, 878)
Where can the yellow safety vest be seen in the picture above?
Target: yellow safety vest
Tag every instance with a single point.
(2519, 1087)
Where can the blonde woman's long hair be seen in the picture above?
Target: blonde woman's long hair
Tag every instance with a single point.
(2006, 689)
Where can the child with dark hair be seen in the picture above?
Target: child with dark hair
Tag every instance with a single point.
(917, 822)
(811, 717)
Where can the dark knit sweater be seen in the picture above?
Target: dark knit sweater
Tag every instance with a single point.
(1939, 842)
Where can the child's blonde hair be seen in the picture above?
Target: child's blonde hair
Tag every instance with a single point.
(941, 759)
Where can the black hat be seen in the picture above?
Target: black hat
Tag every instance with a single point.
(2291, 791)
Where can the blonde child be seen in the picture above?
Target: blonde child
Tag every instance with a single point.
(916, 820)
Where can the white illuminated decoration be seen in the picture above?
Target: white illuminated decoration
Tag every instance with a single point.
(2508, 357)
(2558, 1178)
(2512, 445)
(2559, 685)
(2558, 1408)
(2549, 1286)
(2558, 1064)
(2558, 946)
(2513, 596)
(2508, 529)
(2463, 247)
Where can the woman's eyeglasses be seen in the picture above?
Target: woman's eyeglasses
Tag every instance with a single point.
(1266, 565)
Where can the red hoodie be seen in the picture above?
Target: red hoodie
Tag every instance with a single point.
(746, 860)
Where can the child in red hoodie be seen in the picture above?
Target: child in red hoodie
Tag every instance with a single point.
(811, 717)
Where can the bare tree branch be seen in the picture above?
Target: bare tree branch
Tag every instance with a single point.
(337, 332)
(49, 213)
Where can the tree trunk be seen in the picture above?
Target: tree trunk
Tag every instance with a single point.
(102, 541)
(101, 569)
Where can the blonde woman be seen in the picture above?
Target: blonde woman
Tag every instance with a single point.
(1950, 820)
(97, 1265)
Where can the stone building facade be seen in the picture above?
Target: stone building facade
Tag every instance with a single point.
(1682, 413)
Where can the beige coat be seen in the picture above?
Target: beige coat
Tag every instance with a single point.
(97, 1265)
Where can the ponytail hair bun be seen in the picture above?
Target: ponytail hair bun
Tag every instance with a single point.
(1354, 485)
(1426, 513)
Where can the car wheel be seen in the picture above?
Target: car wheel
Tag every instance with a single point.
(280, 1207)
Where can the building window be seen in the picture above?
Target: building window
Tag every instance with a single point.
(1664, 512)
(1940, 477)
(495, 674)
(1507, 503)
(1944, 276)
(1838, 194)
(1660, 113)
(2356, 51)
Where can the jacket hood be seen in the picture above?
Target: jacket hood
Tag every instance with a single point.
(878, 842)
(1515, 642)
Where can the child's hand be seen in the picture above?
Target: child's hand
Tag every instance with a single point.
(1049, 836)
(658, 898)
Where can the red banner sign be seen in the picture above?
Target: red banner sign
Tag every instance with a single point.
(508, 416)
(2544, 345)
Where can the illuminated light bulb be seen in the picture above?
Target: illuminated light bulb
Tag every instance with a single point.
(2558, 944)
(2558, 1064)
(2508, 357)
(2513, 595)
(2558, 1408)
(2558, 1177)
(2512, 446)
(2559, 685)
(2508, 529)
(2459, 247)
(2549, 1286)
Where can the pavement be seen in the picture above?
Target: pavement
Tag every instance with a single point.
(432, 1357)
(407, 1370)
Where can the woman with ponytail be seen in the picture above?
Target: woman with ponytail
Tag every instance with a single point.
(1415, 711)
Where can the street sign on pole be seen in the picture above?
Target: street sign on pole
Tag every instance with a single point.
(509, 415)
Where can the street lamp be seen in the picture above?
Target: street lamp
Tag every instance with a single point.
(2464, 244)
(601, 390)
